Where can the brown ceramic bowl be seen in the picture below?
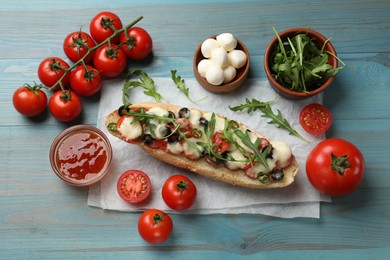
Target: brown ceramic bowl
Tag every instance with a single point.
(284, 91)
(81, 155)
(238, 81)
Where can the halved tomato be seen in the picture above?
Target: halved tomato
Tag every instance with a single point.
(134, 186)
(315, 118)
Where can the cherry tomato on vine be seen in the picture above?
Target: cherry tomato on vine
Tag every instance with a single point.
(137, 44)
(155, 226)
(110, 61)
(179, 192)
(29, 100)
(85, 81)
(102, 25)
(77, 44)
(51, 70)
(315, 118)
(335, 167)
(65, 106)
(134, 186)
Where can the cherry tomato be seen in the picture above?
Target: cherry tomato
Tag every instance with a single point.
(65, 106)
(29, 100)
(101, 26)
(85, 81)
(221, 145)
(137, 44)
(335, 167)
(179, 192)
(50, 71)
(315, 118)
(134, 186)
(110, 61)
(155, 226)
(77, 44)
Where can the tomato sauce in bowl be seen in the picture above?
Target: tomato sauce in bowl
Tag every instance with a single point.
(81, 155)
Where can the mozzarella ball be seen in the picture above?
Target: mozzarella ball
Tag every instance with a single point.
(229, 73)
(219, 57)
(203, 66)
(208, 46)
(237, 58)
(214, 75)
(227, 41)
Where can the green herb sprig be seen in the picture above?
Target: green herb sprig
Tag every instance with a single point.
(180, 84)
(266, 110)
(144, 82)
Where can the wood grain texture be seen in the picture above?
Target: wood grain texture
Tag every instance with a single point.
(43, 218)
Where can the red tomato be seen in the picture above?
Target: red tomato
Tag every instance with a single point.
(102, 25)
(134, 186)
(335, 167)
(77, 44)
(221, 145)
(29, 101)
(85, 81)
(179, 192)
(110, 61)
(315, 118)
(155, 226)
(137, 44)
(65, 106)
(50, 71)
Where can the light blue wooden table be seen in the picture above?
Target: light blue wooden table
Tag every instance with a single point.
(41, 217)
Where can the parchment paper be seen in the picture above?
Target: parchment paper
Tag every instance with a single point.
(298, 200)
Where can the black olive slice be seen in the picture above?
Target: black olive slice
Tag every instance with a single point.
(203, 121)
(184, 113)
(147, 139)
(277, 174)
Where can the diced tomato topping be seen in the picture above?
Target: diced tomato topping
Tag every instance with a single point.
(220, 144)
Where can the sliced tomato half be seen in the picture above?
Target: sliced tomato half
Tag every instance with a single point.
(315, 118)
(134, 186)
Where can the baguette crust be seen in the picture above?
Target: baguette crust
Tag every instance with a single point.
(220, 173)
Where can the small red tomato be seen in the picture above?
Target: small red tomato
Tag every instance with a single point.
(102, 25)
(134, 186)
(221, 145)
(50, 71)
(110, 61)
(85, 80)
(179, 192)
(315, 118)
(335, 167)
(65, 105)
(29, 100)
(155, 226)
(76, 46)
(137, 44)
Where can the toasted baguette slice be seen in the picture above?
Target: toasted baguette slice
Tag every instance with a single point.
(221, 173)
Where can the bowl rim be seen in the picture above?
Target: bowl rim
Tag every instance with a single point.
(321, 40)
(75, 129)
(224, 87)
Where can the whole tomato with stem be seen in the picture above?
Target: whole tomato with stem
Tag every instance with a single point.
(65, 105)
(136, 43)
(110, 60)
(85, 80)
(29, 100)
(103, 25)
(76, 46)
(155, 226)
(179, 192)
(52, 71)
(335, 167)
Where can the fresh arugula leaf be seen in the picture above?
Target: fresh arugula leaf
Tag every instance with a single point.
(180, 84)
(246, 140)
(251, 105)
(145, 82)
(279, 121)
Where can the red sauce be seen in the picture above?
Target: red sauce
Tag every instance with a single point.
(81, 156)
